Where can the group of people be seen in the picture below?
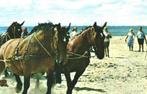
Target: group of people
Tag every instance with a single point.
(129, 39)
(140, 38)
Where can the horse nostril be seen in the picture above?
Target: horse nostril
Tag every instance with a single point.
(100, 55)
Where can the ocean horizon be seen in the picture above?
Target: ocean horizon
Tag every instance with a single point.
(114, 30)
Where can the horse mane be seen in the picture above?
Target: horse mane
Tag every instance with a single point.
(82, 32)
(9, 28)
(40, 26)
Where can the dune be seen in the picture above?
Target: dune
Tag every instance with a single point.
(124, 72)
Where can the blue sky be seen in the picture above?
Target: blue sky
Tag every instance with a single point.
(78, 12)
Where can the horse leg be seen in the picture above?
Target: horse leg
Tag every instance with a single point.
(58, 73)
(108, 51)
(105, 51)
(68, 80)
(75, 79)
(19, 83)
(49, 82)
(26, 84)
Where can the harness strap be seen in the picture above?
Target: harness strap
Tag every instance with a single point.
(7, 35)
(5, 60)
(28, 46)
(16, 49)
(79, 55)
(42, 46)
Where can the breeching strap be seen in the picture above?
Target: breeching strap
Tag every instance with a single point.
(79, 55)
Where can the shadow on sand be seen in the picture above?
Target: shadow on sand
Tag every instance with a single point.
(89, 89)
(119, 57)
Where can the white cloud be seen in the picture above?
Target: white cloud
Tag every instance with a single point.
(14, 3)
(78, 12)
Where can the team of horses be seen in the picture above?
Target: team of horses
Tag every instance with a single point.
(47, 49)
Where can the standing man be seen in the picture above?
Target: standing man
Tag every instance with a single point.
(107, 41)
(74, 32)
(141, 37)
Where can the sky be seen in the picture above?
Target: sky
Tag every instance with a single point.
(78, 12)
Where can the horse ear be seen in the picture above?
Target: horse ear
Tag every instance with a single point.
(22, 23)
(59, 24)
(95, 24)
(68, 27)
(104, 25)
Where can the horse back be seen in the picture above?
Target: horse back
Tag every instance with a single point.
(8, 48)
(74, 44)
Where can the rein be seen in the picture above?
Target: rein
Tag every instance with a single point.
(42, 46)
(79, 56)
(6, 36)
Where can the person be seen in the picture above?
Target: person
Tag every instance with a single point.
(141, 37)
(73, 33)
(130, 39)
(107, 41)
(24, 32)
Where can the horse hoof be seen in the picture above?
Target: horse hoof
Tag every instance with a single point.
(18, 89)
(3, 83)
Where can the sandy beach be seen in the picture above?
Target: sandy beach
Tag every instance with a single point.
(124, 72)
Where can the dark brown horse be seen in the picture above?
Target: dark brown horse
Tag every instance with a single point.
(13, 31)
(78, 50)
(36, 53)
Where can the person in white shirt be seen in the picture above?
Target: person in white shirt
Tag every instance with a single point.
(130, 39)
(141, 37)
(73, 33)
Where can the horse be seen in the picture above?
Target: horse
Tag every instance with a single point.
(78, 53)
(36, 53)
(13, 31)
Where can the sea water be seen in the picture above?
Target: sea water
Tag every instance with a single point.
(114, 30)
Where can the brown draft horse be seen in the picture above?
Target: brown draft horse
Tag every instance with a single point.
(78, 53)
(36, 53)
(13, 31)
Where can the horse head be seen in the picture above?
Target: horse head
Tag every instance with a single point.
(65, 33)
(15, 30)
(60, 42)
(98, 40)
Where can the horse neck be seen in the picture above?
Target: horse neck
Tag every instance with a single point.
(45, 39)
(83, 42)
